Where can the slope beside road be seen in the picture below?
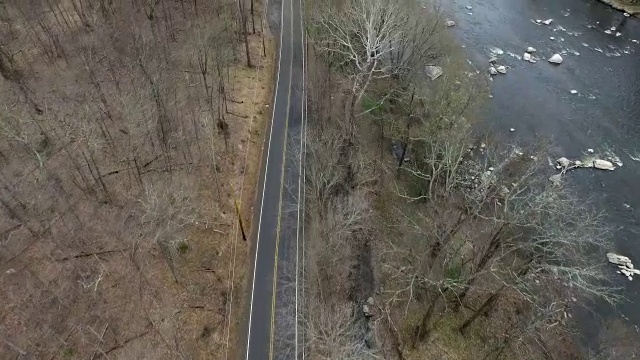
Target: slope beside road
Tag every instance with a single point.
(272, 330)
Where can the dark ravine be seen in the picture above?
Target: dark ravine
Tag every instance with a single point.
(535, 100)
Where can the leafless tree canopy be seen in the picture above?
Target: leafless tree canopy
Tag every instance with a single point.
(120, 154)
(459, 235)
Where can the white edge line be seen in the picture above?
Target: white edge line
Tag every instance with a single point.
(299, 181)
(236, 227)
(304, 152)
(264, 182)
(300, 170)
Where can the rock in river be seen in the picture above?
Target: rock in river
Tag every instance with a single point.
(493, 71)
(450, 23)
(501, 69)
(564, 162)
(556, 59)
(434, 72)
(603, 164)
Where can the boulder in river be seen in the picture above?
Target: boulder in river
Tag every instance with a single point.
(619, 260)
(526, 56)
(531, 50)
(556, 59)
(366, 310)
(493, 71)
(625, 265)
(564, 162)
(548, 21)
(603, 164)
(450, 23)
(501, 69)
(433, 72)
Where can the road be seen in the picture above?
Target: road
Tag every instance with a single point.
(271, 328)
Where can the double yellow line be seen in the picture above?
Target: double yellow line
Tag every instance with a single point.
(284, 161)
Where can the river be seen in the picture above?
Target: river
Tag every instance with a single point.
(536, 100)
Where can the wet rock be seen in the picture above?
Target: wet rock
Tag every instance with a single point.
(551, 38)
(603, 165)
(526, 57)
(493, 71)
(619, 260)
(450, 23)
(564, 162)
(556, 59)
(469, 7)
(548, 21)
(501, 69)
(624, 264)
(608, 32)
(512, 130)
(531, 50)
(434, 72)
(627, 14)
(574, 92)
(366, 310)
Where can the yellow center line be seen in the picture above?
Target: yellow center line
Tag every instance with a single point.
(286, 130)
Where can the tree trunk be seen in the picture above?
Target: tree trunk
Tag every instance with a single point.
(403, 154)
(491, 250)
(423, 331)
(488, 305)
(253, 19)
(243, 19)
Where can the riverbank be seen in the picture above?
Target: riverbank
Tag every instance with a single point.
(622, 5)
(536, 100)
(449, 245)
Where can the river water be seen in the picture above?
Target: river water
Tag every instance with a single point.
(536, 100)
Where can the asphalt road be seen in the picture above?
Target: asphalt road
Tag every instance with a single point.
(271, 328)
